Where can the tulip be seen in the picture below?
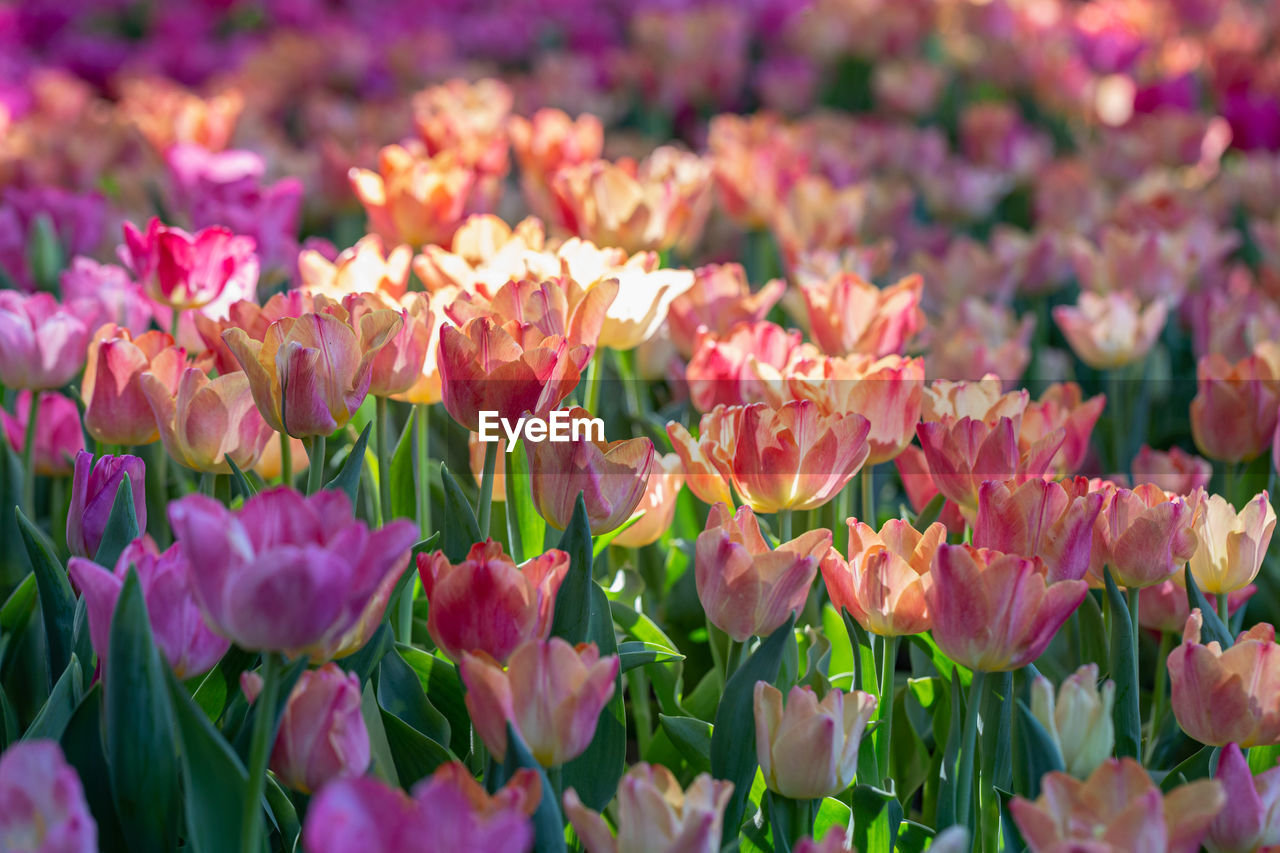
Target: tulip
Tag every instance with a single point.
(1252, 820)
(309, 374)
(58, 436)
(920, 489)
(735, 369)
(796, 457)
(322, 736)
(93, 493)
(1230, 545)
(809, 750)
(996, 612)
(1144, 536)
(1233, 415)
(398, 365)
(180, 632)
(848, 314)
(116, 408)
(254, 319)
(414, 198)
(979, 338)
(963, 454)
(1164, 607)
(552, 693)
(185, 271)
(204, 422)
(1117, 808)
(469, 118)
(1040, 518)
(658, 503)
(106, 294)
(654, 814)
(285, 573)
(1111, 330)
(1173, 470)
(883, 583)
(546, 142)
(983, 400)
(42, 805)
(747, 588)
(557, 306)
(42, 343)
(708, 460)
(1227, 696)
(1062, 405)
(448, 812)
(610, 476)
(363, 268)
(484, 254)
(1078, 719)
(719, 299)
(425, 312)
(487, 603)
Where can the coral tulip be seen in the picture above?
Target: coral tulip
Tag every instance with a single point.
(963, 454)
(1062, 405)
(93, 493)
(1040, 518)
(809, 749)
(363, 268)
(398, 365)
(848, 314)
(58, 435)
(42, 804)
(1077, 718)
(1231, 545)
(708, 460)
(413, 198)
(42, 343)
(546, 142)
(1111, 330)
(735, 369)
(116, 408)
(1144, 535)
(982, 400)
(1233, 415)
(183, 270)
(204, 422)
(658, 503)
(883, 583)
(719, 299)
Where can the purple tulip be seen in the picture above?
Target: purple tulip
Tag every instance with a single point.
(93, 493)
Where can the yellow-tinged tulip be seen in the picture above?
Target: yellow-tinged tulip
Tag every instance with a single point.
(883, 583)
(1230, 545)
(1078, 719)
(809, 749)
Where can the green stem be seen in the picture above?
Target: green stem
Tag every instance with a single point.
(1224, 609)
(839, 529)
(286, 460)
(264, 729)
(784, 526)
(556, 778)
(422, 435)
(174, 320)
(486, 487)
(1159, 701)
(315, 469)
(29, 459)
(884, 733)
(591, 394)
(1230, 476)
(1133, 624)
(867, 481)
(160, 494)
(968, 745)
(638, 686)
(384, 459)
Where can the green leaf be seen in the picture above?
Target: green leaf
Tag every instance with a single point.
(213, 777)
(460, 529)
(57, 602)
(1213, 629)
(348, 477)
(139, 729)
(416, 756)
(595, 773)
(636, 653)
(548, 825)
(400, 693)
(61, 704)
(240, 485)
(877, 814)
(20, 605)
(45, 257)
(831, 812)
(1039, 754)
(1195, 767)
(606, 539)
(1263, 758)
(692, 737)
(439, 678)
(363, 662)
(572, 619)
(931, 512)
(525, 527)
(946, 811)
(283, 813)
(122, 527)
(733, 740)
(1093, 633)
(667, 681)
(82, 744)
(221, 683)
(404, 499)
(1124, 671)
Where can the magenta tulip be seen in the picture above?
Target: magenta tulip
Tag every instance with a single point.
(93, 492)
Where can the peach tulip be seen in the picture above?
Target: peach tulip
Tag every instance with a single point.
(809, 749)
(42, 343)
(1173, 470)
(546, 142)
(1077, 718)
(658, 503)
(848, 314)
(719, 299)
(415, 198)
(398, 365)
(883, 583)
(736, 368)
(204, 422)
(254, 319)
(1040, 518)
(1233, 415)
(552, 693)
(746, 587)
(1144, 535)
(982, 400)
(708, 460)
(468, 118)
(1111, 330)
(1230, 545)
(554, 306)
(363, 268)
(116, 407)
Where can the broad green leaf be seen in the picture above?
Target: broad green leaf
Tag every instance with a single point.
(1093, 633)
(363, 662)
(692, 737)
(946, 810)
(572, 619)
(400, 693)
(1124, 671)
(606, 539)
(931, 512)
(876, 817)
(636, 653)
(240, 485)
(1039, 754)
(595, 773)
(1263, 758)
(121, 529)
(831, 812)
(416, 755)
(548, 825)
(1195, 767)
(439, 678)
(61, 704)
(460, 529)
(20, 605)
(283, 813)
(82, 743)
(1213, 629)
(525, 528)
(404, 498)
(57, 602)
(348, 477)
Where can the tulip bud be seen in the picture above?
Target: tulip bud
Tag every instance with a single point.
(810, 749)
(1251, 821)
(1110, 330)
(42, 804)
(1079, 719)
(1144, 535)
(93, 492)
(1230, 545)
(883, 584)
(204, 422)
(116, 409)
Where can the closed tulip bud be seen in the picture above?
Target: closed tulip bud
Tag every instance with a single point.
(965, 453)
(1227, 696)
(204, 422)
(322, 735)
(996, 612)
(1040, 518)
(1117, 808)
(1143, 535)
(183, 270)
(884, 581)
(708, 460)
(654, 814)
(42, 804)
(1230, 545)
(58, 435)
(42, 343)
(809, 750)
(1251, 821)
(487, 603)
(848, 314)
(610, 476)
(1233, 415)
(116, 408)
(93, 492)
(1111, 330)
(552, 693)
(288, 573)
(1078, 719)
(1173, 470)
(658, 503)
(180, 632)
(747, 588)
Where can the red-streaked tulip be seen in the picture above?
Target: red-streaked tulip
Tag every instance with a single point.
(551, 693)
(309, 374)
(658, 503)
(42, 343)
(413, 198)
(1230, 544)
(181, 634)
(116, 408)
(1077, 718)
(719, 299)
(1062, 405)
(883, 583)
(795, 457)
(747, 588)
(982, 400)
(556, 307)
(736, 369)
(58, 435)
(996, 612)
(546, 142)
(654, 814)
(1144, 535)
(487, 603)
(363, 268)
(1110, 330)
(93, 493)
(1227, 696)
(1173, 470)
(1251, 821)
(42, 804)
(204, 422)
(322, 735)
(1040, 518)
(398, 365)
(1117, 808)
(848, 314)
(610, 475)
(809, 749)
(184, 270)
(1164, 607)
(254, 319)
(289, 573)
(1233, 415)
(708, 459)
(963, 454)
(913, 470)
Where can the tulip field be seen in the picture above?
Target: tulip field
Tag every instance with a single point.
(665, 426)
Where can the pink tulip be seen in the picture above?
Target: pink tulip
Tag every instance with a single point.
(1040, 518)
(809, 749)
(487, 603)
(732, 369)
(42, 343)
(964, 453)
(93, 492)
(116, 408)
(42, 805)
(1062, 405)
(108, 290)
(58, 435)
(883, 583)
(1251, 820)
(183, 270)
(719, 299)
(322, 734)
(1233, 415)
(848, 314)
(184, 639)
(204, 422)
(1173, 470)
(1144, 535)
(288, 573)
